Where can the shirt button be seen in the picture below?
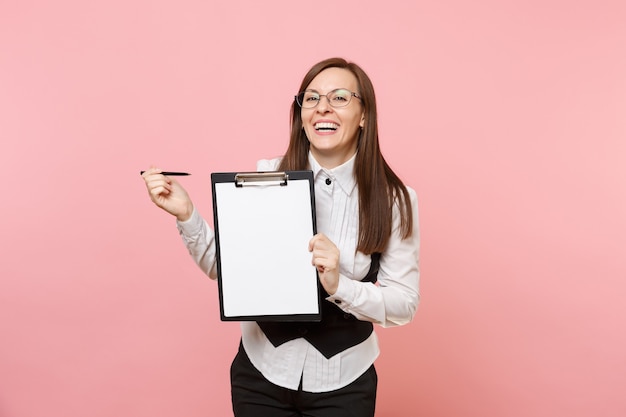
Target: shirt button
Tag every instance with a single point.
(328, 181)
(337, 301)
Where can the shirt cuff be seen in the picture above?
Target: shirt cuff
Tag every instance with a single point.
(344, 296)
(192, 226)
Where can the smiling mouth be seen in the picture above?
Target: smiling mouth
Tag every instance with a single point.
(326, 127)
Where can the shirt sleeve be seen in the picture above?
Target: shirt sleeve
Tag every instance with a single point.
(394, 300)
(199, 239)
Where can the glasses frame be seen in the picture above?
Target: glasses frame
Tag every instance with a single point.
(330, 103)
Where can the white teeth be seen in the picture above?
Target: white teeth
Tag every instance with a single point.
(326, 126)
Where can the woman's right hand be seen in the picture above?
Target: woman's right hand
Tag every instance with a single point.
(168, 194)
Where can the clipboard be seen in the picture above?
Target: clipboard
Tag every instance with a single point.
(263, 222)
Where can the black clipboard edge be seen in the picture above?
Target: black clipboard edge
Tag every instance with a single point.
(221, 177)
(310, 318)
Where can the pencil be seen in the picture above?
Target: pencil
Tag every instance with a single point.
(171, 173)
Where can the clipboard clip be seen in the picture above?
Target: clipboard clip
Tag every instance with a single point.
(261, 178)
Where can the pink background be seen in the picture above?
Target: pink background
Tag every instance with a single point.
(507, 117)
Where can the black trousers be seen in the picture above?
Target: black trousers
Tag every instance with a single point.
(255, 396)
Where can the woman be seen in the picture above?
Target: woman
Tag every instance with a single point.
(368, 231)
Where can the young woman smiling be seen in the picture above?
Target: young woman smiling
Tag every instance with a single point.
(366, 254)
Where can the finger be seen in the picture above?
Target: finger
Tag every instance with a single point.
(158, 186)
(318, 241)
(324, 258)
(159, 191)
(150, 171)
(324, 269)
(157, 177)
(159, 183)
(321, 268)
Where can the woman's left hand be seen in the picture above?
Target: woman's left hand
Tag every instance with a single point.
(326, 260)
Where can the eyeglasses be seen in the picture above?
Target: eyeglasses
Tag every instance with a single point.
(336, 98)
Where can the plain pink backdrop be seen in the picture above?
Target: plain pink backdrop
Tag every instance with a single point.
(507, 117)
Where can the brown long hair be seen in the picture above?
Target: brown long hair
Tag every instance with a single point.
(379, 186)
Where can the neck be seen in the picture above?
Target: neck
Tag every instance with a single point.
(331, 160)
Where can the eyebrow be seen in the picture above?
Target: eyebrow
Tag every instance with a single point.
(334, 89)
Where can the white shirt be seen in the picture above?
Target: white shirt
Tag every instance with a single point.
(392, 302)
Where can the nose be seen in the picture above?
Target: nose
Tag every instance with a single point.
(323, 106)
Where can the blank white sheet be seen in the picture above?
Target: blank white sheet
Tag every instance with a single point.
(265, 264)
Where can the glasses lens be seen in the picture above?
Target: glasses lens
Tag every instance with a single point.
(336, 98)
(308, 99)
(339, 98)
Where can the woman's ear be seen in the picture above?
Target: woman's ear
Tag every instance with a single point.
(362, 122)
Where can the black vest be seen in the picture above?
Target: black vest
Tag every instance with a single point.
(336, 332)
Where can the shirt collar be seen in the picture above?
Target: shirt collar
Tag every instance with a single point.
(343, 174)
